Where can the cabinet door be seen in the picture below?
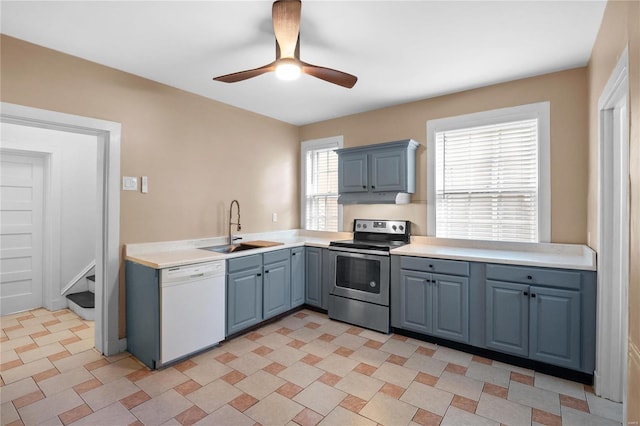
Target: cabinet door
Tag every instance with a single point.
(450, 307)
(388, 170)
(352, 172)
(555, 326)
(415, 299)
(297, 276)
(313, 271)
(508, 317)
(277, 288)
(244, 299)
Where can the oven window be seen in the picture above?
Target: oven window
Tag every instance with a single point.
(358, 274)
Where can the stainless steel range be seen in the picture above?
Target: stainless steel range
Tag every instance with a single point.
(360, 270)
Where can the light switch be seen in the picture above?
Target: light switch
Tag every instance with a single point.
(274, 217)
(145, 184)
(129, 183)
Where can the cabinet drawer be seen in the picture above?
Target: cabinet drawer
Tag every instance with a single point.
(275, 256)
(244, 262)
(540, 276)
(439, 266)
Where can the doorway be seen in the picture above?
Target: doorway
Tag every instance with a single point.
(108, 206)
(613, 236)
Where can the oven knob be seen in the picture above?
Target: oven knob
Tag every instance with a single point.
(394, 227)
(364, 226)
(359, 226)
(401, 228)
(372, 284)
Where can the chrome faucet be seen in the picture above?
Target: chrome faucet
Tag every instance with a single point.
(238, 226)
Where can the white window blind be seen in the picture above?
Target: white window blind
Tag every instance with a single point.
(487, 182)
(320, 200)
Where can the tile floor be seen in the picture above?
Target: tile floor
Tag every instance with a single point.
(304, 369)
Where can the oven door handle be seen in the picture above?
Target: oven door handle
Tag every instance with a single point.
(359, 251)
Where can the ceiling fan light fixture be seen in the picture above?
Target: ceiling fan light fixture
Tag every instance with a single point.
(288, 69)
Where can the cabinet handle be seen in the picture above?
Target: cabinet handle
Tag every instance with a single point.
(533, 295)
(259, 275)
(430, 266)
(529, 277)
(266, 272)
(293, 254)
(373, 187)
(364, 186)
(525, 293)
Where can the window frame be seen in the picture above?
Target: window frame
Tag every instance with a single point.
(335, 142)
(540, 111)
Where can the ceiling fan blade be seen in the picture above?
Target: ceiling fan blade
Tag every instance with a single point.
(245, 75)
(332, 76)
(286, 25)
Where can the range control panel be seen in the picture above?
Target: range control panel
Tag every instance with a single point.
(399, 227)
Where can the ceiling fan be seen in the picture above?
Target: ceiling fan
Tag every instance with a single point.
(288, 66)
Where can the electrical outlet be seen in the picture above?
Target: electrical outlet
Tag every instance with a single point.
(129, 183)
(145, 184)
(274, 217)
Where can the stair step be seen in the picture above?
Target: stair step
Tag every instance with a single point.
(86, 299)
(92, 278)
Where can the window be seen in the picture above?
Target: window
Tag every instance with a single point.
(319, 205)
(489, 175)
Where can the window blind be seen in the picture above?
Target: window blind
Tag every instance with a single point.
(487, 182)
(321, 190)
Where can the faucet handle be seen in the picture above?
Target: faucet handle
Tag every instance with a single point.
(235, 239)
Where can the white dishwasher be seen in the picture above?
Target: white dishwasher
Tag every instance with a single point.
(192, 309)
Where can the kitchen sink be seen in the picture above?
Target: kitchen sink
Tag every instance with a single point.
(228, 248)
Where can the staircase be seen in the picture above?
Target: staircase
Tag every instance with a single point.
(83, 304)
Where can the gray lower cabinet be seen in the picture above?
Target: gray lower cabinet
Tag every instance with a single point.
(244, 292)
(432, 303)
(276, 283)
(297, 276)
(313, 272)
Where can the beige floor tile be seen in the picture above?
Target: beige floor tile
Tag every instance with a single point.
(41, 352)
(26, 370)
(161, 381)
(81, 346)
(301, 374)
(161, 408)
(370, 356)
(604, 408)
(460, 385)
(428, 398)
(286, 355)
(53, 337)
(558, 385)
(360, 385)
(77, 360)
(260, 384)
(374, 335)
(17, 389)
(426, 364)
(207, 372)
(388, 411)
(417, 342)
(525, 371)
(292, 323)
(399, 347)
(118, 369)
(214, 395)
(396, 374)
(87, 333)
(226, 415)
(458, 417)
(47, 408)
(571, 417)
(24, 331)
(305, 334)
(8, 414)
(337, 364)
(530, 396)
(106, 395)
(118, 356)
(453, 356)
(349, 341)
(275, 409)
(9, 355)
(489, 373)
(16, 343)
(320, 398)
(334, 327)
(65, 325)
(249, 363)
(114, 414)
(240, 346)
(38, 320)
(274, 340)
(503, 411)
(344, 417)
(64, 381)
(319, 348)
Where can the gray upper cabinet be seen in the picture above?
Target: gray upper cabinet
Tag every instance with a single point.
(313, 271)
(387, 167)
(297, 276)
(434, 303)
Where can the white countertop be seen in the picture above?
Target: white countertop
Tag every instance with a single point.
(566, 256)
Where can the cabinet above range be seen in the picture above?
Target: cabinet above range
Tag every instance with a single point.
(377, 174)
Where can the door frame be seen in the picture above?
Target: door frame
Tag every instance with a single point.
(108, 136)
(613, 236)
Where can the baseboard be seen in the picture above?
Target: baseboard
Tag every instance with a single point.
(122, 344)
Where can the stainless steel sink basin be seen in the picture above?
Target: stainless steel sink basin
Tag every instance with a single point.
(228, 248)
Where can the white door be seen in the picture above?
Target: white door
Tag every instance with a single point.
(21, 232)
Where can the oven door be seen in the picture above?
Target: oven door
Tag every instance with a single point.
(360, 276)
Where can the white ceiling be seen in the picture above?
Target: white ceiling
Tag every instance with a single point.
(401, 51)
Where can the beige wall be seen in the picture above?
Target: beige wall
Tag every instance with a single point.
(567, 93)
(198, 154)
(620, 27)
